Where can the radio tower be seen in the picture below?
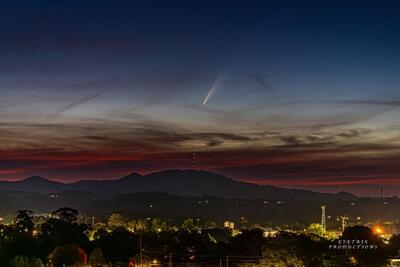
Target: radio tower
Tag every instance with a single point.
(343, 219)
(194, 166)
(323, 217)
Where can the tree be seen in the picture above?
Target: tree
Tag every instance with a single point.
(23, 221)
(157, 225)
(63, 228)
(188, 225)
(68, 255)
(131, 225)
(66, 214)
(21, 261)
(98, 228)
(359, 232)
(5, 255)
(100, 233)
(142, 225)
(335, 259)
(210, 224)
(280, 257)
(118, 244)
(366, 257)
(18, 238)
(315, 230)
(249, 243)
(394, 244)
(96, 258)
(291, 249)
(116, 220)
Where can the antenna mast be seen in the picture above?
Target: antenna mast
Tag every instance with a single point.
(323, 217)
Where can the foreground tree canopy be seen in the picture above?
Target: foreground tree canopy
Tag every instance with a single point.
(64, 239)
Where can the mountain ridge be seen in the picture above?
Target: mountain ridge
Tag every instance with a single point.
(175, 182)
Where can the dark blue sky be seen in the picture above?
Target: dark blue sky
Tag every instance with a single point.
(302, 93)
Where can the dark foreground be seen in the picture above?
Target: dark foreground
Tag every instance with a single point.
(64, 240)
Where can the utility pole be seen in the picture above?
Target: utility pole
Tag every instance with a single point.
(170, 259)
(220, 262)
(227, 261)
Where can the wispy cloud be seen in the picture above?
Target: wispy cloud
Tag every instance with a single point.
(93, 148)
(6, 106)
(367, 102)
(76, 103)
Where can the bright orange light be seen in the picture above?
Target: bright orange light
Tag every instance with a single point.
(378, 230)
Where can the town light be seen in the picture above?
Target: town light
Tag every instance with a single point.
(378, 230)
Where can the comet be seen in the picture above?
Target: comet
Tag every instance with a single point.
(214, 87)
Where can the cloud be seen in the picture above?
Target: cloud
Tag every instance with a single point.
(324, 138)
(323, 114)
(108, 149)
(389, 103)
(76, 103)
(6, 106)
(138, 134)
(257, 82)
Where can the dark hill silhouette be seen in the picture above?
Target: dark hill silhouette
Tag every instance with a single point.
(174, 182)
(34, 184)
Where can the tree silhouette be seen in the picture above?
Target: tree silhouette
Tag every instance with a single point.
(63, 228)
(21, 261)
(142, 225)
(116, 220)
(119, 244)
(68, 255)
(158, 225)
(23, 222)
(188, 224)
(96, 258)
(254, 240)
(375, 256)
(66, 214)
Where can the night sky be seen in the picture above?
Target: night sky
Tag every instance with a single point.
(300, 94)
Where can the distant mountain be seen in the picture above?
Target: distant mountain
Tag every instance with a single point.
(174, 182)
(34, 184)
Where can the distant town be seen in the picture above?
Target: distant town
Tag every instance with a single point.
(142, 221)
(66, 238)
